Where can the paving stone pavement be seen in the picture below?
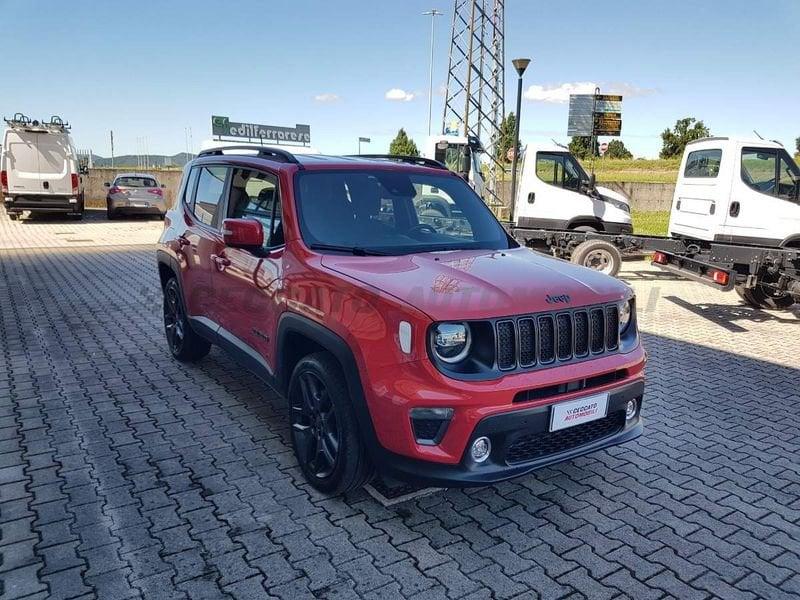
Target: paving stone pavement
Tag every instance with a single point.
(124, 474)
(60, 231)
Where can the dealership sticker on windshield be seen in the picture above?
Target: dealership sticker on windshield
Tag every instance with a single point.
(575, 412)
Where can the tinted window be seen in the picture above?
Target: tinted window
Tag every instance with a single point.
(559, 169)
(394, 212)
(136, 182)
(210, 187)
(191, 184)
(254, 195)
(703, 163)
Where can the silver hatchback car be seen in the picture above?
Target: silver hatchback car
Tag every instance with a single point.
(135, 193)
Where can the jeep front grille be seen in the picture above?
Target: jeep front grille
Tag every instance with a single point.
(555, 338)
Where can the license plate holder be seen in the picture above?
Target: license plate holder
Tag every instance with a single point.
(576, 412)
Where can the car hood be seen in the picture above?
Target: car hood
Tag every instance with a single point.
(479, 284)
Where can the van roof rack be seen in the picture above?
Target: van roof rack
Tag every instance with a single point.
(265, 151)
(21, 121)
(412, 160)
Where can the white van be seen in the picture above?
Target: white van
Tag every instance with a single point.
(555, 192)
(39, 168)
(737, 190)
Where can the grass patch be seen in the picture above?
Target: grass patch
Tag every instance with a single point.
(650, 222)
(635, 170)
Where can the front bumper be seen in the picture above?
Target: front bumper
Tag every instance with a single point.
(529, 427)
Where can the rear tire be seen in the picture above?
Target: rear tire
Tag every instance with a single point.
(598, 255)
(184, 344)
(324, 429)
(764, 297)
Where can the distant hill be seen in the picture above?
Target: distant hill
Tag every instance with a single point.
(154, 161)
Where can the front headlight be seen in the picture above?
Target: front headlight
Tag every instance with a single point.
(451, 342)
(625, 314)
(623, 206)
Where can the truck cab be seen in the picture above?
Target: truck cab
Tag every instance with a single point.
(460, 154)
(740, 191)
(555, 192)
(39, 169)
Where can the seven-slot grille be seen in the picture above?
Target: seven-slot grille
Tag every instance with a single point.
(558, 337)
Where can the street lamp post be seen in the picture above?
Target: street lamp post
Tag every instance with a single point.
(520, 64)
(433, 13)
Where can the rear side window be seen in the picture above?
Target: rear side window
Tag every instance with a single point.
(703, 163)
(136, 182)
(254, 195)
(191, 184)
(207, 198)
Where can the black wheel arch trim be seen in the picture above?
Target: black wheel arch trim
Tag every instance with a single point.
(289, 323)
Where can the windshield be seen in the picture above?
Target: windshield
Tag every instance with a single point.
(391, 212)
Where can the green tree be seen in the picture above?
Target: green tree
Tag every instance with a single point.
(617, 149)
(581, 147)
(402, 145)
(797, 145)
(685, 131)
(506, 139)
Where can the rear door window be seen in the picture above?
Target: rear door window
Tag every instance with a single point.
(208, 197)
(703, 163)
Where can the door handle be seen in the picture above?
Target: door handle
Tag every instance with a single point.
(221, 261)
(734, 209)
(531, 197)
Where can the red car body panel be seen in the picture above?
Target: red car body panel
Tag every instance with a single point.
(363, 299)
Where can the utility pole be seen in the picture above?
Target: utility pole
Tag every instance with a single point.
(433, 13)
(112, 148)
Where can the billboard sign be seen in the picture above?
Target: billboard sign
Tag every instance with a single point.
(592, 115)
(223, 127)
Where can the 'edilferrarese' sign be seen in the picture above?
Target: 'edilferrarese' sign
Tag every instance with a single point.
(224, 127)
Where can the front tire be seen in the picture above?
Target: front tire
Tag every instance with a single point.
(324, 429)
(184, 344)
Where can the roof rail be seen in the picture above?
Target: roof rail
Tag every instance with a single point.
(22, 121)
(265, 151)
(413, 160)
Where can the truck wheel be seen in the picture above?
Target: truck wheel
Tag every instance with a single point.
(598, 255)
(13, 216)
(324, 428)
(765, 297)
(184, 344)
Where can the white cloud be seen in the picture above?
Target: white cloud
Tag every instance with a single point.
(398, 95)
(326, 98)
(559, 94)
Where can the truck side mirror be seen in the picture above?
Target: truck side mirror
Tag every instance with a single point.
(466, 163)
(592, 182)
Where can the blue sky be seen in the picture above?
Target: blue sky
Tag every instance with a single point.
(152, 69)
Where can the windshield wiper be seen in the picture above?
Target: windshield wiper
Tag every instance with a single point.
(354, 250)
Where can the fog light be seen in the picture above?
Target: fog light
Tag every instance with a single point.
(480, 449)
(630, 409)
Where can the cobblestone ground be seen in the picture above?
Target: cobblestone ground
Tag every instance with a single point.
(124, 474)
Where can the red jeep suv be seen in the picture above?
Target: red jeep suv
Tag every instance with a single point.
(409, 333)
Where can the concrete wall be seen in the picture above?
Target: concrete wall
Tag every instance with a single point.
(95, 191)
(645, 197)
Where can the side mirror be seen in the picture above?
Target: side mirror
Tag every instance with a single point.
(106, 184)
(587, 187)
(466, 163)
(164, 186)
(243, 233)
